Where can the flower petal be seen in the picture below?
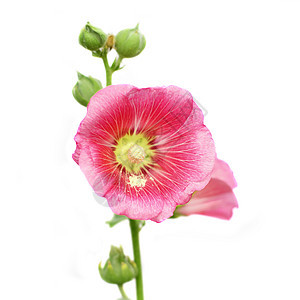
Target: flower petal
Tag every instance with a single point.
(183, 148)
(217, 198)
(223, 172)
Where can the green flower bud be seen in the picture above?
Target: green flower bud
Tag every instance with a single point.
(92, 38)
(119, 268)
(85, 88)
(130, 42)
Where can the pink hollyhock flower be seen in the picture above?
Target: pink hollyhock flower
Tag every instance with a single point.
(217, 198)
(145, 150)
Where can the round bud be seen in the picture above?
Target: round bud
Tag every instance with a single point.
(130, 42)
(92, 38)
(85, 88)
(119, 268)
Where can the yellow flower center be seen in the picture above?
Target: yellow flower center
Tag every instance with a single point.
(134, 152)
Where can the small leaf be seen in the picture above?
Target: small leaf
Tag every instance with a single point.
(142, 223)
(114, 64)
(97, 53)
(120, 68)
(115, 220)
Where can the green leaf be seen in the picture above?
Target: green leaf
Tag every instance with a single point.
(142, 223)
(97, 53)
(114, 65)
(115, 220)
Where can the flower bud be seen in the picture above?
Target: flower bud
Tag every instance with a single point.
(85, 88)
(119, 268)
(92, 38)
(130, 42)
(110, 42)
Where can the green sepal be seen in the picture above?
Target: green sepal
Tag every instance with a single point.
(115, 220)
(95, 29)
(176, 214)
(97, 53)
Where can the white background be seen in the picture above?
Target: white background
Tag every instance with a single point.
(241, 60)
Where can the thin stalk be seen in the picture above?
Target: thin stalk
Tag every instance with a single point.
(108, 69)
(135, 229)
(120, 286)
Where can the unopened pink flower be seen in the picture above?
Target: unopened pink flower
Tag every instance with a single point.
(217, 198)
(145, 150)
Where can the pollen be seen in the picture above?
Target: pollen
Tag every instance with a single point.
(136, 154)
(137, 181)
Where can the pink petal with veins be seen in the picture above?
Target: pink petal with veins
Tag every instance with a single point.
(217, 198)
(184, 149)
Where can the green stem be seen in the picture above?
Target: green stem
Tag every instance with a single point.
(135, 229)
(120, 286)
(118, 62)
(108, 69)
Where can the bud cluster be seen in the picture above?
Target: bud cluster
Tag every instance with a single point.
(128, 42)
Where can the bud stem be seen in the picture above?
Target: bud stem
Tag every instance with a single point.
(108, 69)
(118, 63)
(120, 286)
(135, 229)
